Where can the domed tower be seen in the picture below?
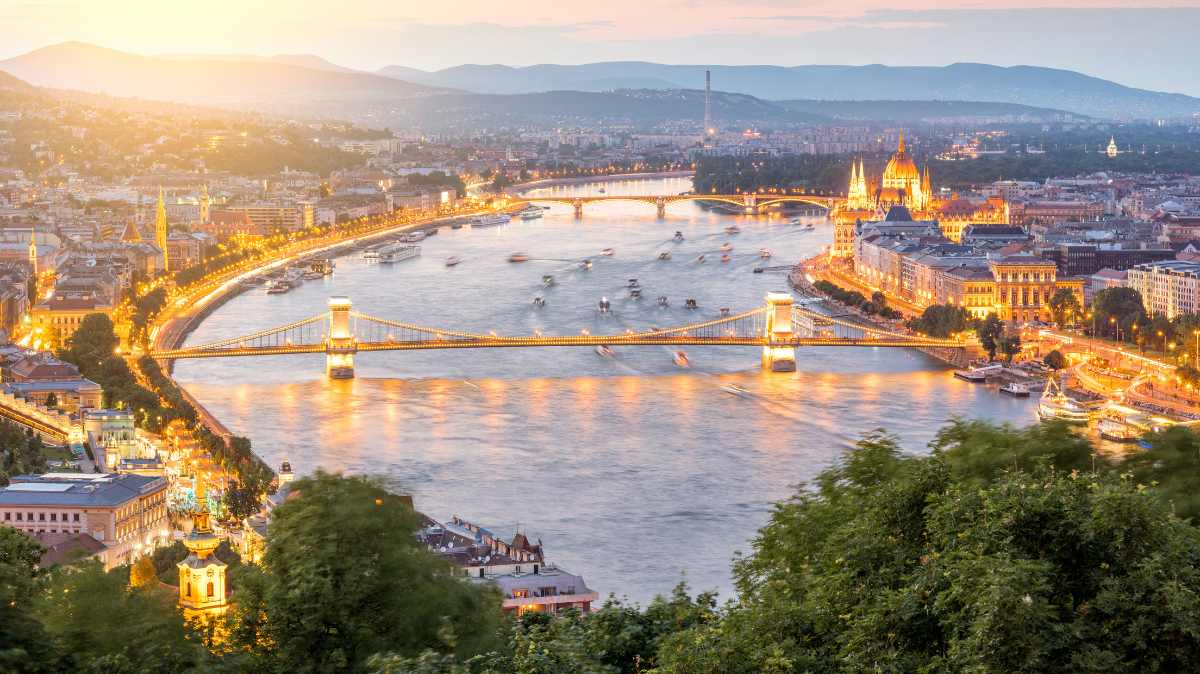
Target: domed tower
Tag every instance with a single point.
(201, 574)
(285, 473)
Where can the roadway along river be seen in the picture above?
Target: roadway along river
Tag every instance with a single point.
(630, 470)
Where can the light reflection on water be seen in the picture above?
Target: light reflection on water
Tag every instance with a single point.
(629, 469)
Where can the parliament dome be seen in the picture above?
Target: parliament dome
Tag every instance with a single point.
(901, 169)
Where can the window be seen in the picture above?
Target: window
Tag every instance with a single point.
(53, 517)
(210, 590)
(8, 516)
(76, 517)
(521, 594)
(189, 589)
(41, 517)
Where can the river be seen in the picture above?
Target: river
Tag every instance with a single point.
(629, 470)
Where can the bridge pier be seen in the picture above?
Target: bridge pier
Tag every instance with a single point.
(341, 346)
(779, 358)
(662, 206)
(578, 208)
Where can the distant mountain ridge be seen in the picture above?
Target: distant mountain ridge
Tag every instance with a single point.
(1025, 85)
(86, 67)
(302, 60)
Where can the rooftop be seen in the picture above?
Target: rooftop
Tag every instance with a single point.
(77, 489)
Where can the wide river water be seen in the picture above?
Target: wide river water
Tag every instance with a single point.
(629, 470)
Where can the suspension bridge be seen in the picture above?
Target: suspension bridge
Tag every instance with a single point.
(751, 203)
(779, 328)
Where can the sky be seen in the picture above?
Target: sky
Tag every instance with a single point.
(1141, 45)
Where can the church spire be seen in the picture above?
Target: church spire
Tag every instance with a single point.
(900, 147)
(160, 227)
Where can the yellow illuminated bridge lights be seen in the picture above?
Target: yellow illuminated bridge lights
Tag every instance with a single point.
(753, 202)
(779, 328)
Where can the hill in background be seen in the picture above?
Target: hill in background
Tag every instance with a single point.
(85, 67)
(902, 111)
(1022, 85)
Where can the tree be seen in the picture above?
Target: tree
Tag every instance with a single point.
(1064, 307)
(1123, 304)
(51, 400)
(369, 586)
(1010, 345)
(90, 345)
(1055, 360)
(1172, 463)
(989, 334)
(142, 574)
(1025, 570)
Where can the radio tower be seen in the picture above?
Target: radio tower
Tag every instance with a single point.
(707, 102)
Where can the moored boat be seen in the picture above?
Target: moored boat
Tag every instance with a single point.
(1055, 404)
(398, 253)
(1015, 390)
(490, 220)
(979, 374)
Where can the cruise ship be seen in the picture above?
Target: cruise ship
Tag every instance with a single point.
(490, 220)
(398, 253)
(290, 279)
(1060, 406)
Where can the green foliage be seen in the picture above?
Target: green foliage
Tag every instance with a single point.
(1055, 360)
(1172, 465)
(198, 272)
(850, 298)
(269, 156)
(98, 624)
(94, 341)
(990, 332)
(142, 574)
(438, 179)
(20, 454)
(1010, 345)
(343, 579)
(797, 174)
(977, 453)
(1123, 304)
(1064, 307)
(942, 321)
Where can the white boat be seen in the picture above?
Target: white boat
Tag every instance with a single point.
(601, 190)
(531, 214)
(809, 226)
(539, 301)
(1054, 404)
(979, 374)
(603, 351)
(738, 390)
(412, 237)
(322, 266)
(586, 264)
(607, 251)
(398, 253)
(372, 253)
(291, 278)
(1015, 390)
(679, 236)
(451, 261)
(490, 220)
(603, 307)
(681, 359)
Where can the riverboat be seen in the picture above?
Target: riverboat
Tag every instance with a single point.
(547, 280)
(372, 253)
(689, 304)
(758, 270)
(678, 236)
(518, 257)
(601, 190)
(1015, 390)
(451, 261)
(1060, 406)
(662, 301)
(978, 375)
(727, 246)
(797, 221)
(586, 264)
(531, 214)
(733, 229)
(701, 259)
(724, 258)
(664, 256)
(398, 253)
(603, 307)
(412, 237)
(765, 252)
(635, 294)
(738, 390)
(809, 226)
(607, 251)
(322, 266)
(490, 220)
(633, 283)
(604, 351)
(539, 301)
(681, 358)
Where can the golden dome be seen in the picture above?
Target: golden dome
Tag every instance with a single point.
(900, 169)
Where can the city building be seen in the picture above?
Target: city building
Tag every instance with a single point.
(271, 217)
(967, 286)
(1024, 284)
(39, 366)
(112, 436)
(1169, 288)
(236, 226)
(122, 512)
(517, 568)
(66, 312)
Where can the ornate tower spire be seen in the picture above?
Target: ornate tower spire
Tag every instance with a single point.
(160, 227)
(900, 147)
(204, 204)
(201, 574)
